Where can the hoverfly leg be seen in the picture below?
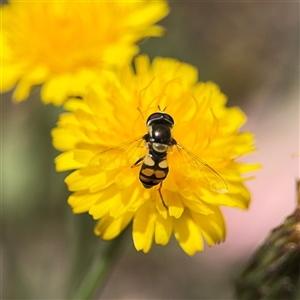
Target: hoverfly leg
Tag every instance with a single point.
(161, 197)
(138, 162)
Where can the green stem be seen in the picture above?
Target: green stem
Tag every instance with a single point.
(101, 264)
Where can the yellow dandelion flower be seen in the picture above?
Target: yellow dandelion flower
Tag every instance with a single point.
(63, 44)
(170, 177)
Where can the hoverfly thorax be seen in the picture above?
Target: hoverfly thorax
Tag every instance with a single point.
(159, 130)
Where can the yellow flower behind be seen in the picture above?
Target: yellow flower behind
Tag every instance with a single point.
(106, 185)
(64, 44)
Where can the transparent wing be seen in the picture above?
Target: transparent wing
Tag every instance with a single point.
(125, 154)
(200, 171)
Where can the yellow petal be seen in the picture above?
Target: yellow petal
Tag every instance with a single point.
(155, 31)
(198, 206)
(101, 180)
(32, 77)
(63, 140)
(163, 230)
(125, 200)
(9, 77)
(125, 178)
(102, 207)
(238, 196)
(65, 162)
(174, 203)
(82, 201)
(22, 91)
(85, 178)
(113, 203)
(212, 226)
(148, 14)
(109, 55)
(142, 64)
(234, 118)
(160, 206)
(85, 156)
(108, 227)
(143, 227)
(73, 104)
(188, 234)
(85, 119)
(56, 90)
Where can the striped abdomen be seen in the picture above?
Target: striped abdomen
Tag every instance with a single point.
(153, 171)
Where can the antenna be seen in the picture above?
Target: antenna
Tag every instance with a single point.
(162, 110)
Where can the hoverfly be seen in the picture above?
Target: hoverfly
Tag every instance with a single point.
(159, 142)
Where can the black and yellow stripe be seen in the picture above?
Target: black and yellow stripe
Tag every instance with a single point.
(153, 171)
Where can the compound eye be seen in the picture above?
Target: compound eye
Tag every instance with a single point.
(154, 117)
(160, 147)
(159, 116)
(169, 119)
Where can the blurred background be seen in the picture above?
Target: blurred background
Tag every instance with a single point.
(251, 50)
